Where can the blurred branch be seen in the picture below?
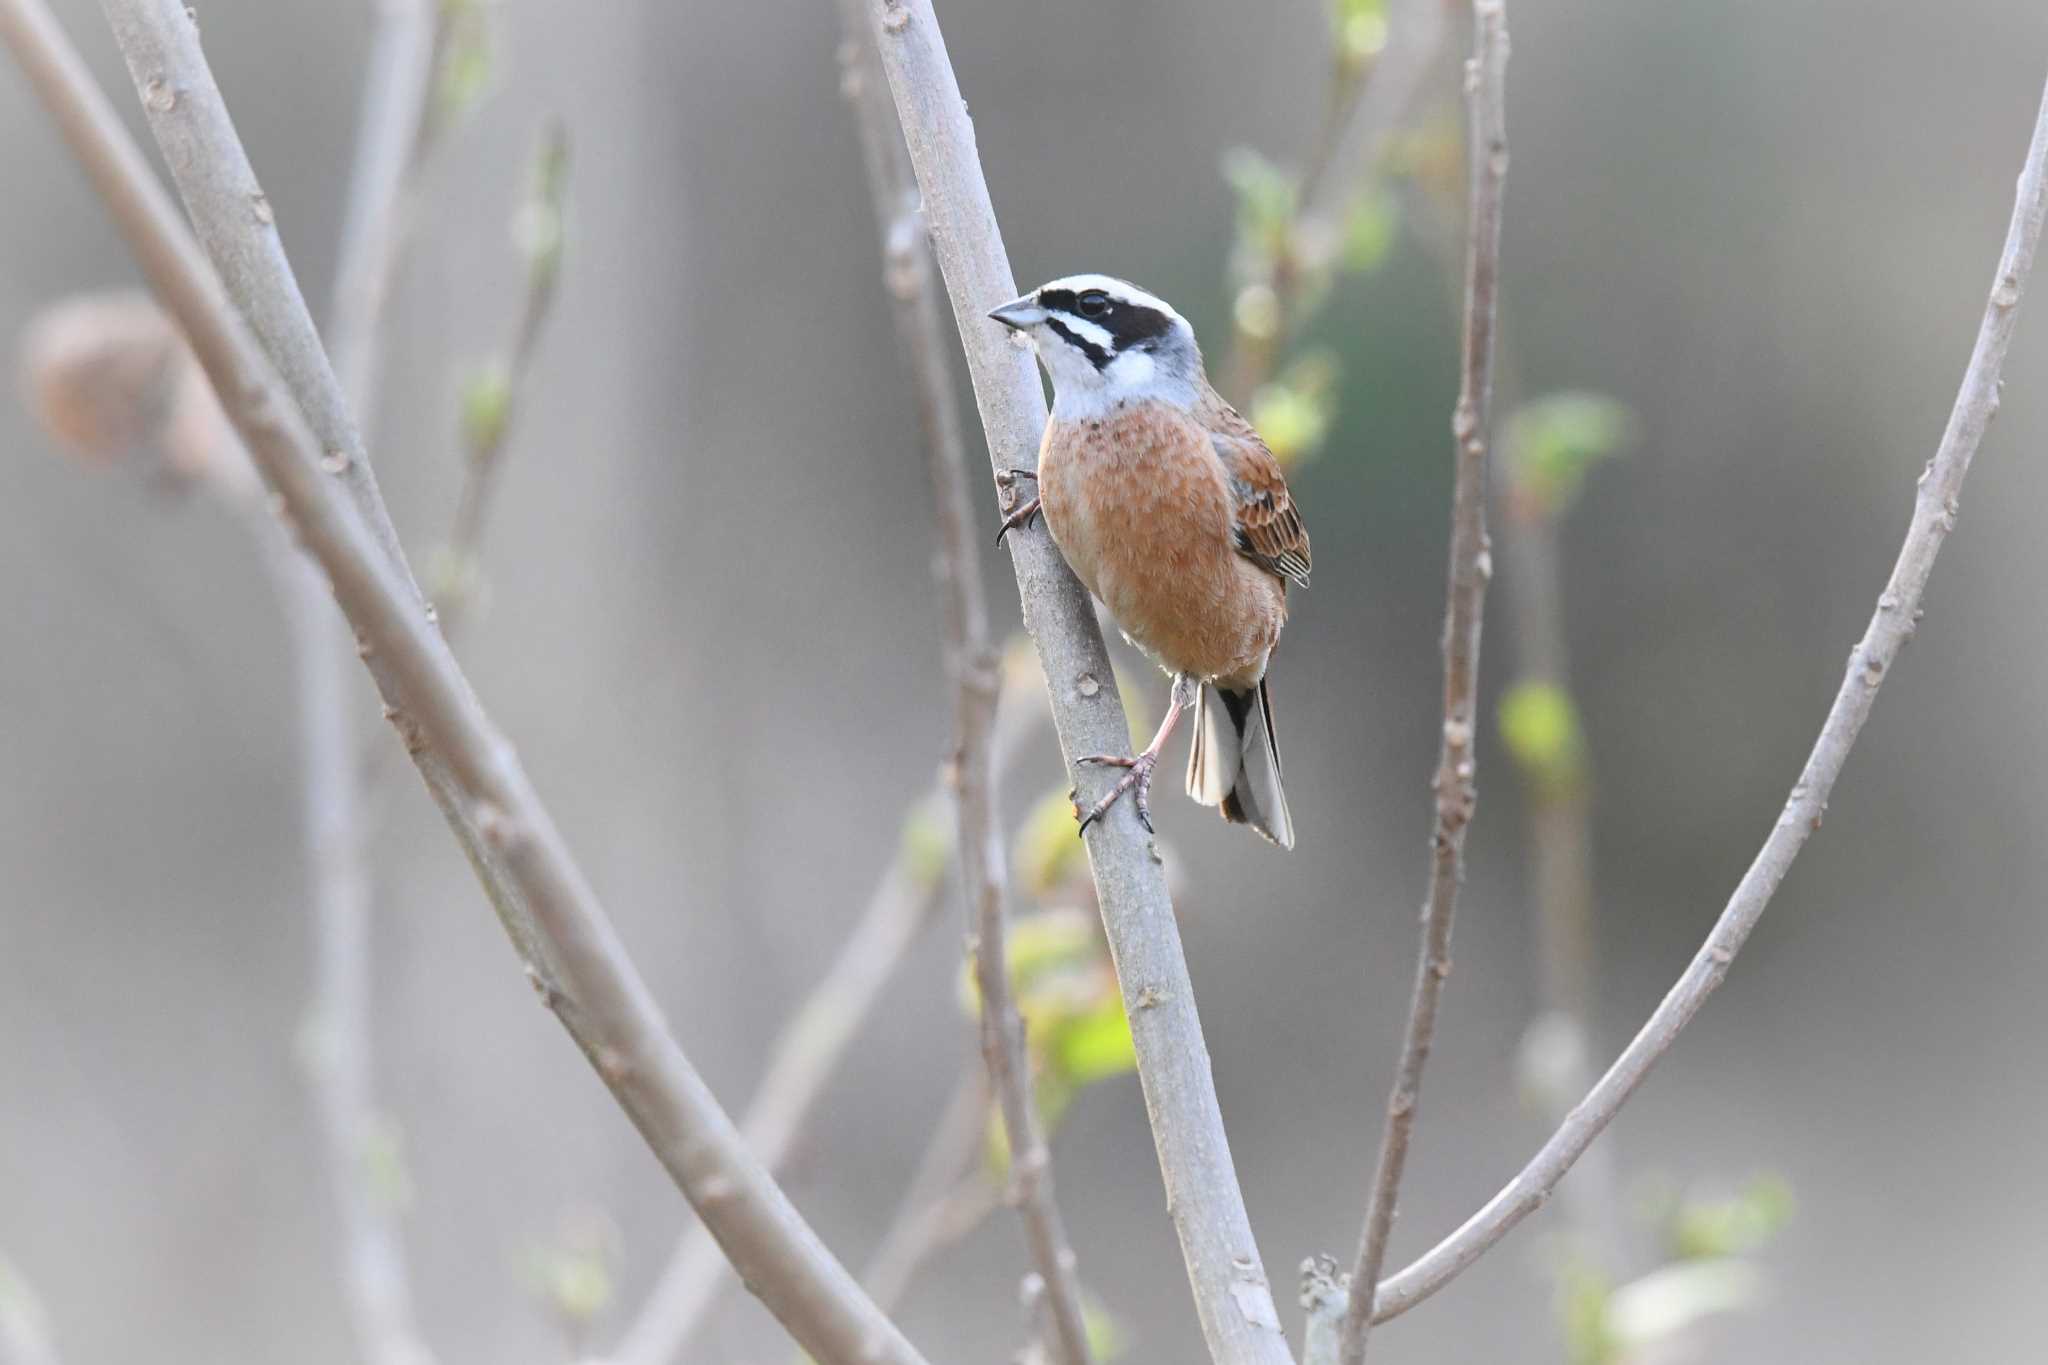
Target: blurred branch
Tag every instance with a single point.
(490, 401)
(1891, 625)
(398, 81)
(1325, 1294)
(973, 666)
(945, 1198)
(1232, 1297)
(807, 1053)
(572, 951)
(24, 1327)
(1367, 103)
(1471, 565)
(340, 1047)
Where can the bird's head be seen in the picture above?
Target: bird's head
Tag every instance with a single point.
(1106, 342)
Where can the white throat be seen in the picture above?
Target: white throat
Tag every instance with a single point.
(1083, 393)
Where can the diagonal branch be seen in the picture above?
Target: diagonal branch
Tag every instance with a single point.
(1471, 565)
(972, 664)
(571, 949)
(1232, 1296)
(1891, 625)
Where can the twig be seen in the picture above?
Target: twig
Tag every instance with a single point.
(1455, 785)
(340, 1057)
(945, 1198)
(1232, 1296)
(397, 85)
(972, 664)
(973, 668)
(572, 951)
(1891, 625)
(488, 424)
(1366, 109)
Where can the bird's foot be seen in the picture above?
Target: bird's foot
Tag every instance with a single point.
(1024, 515)
(1137, 781)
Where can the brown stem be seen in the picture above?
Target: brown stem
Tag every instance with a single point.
(1891, 625)
(1471, 565)
(572, 952)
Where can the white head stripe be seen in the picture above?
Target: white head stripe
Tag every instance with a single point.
(1088, 331)
(1109, 284)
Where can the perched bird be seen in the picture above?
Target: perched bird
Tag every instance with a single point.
(1174, 513)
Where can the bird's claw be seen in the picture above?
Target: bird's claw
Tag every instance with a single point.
(1137, 781)
(1023, 516)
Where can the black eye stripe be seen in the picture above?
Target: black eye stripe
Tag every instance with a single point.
(1097, 357)
(1130, 325)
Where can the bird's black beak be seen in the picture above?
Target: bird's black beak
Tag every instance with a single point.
(1019, 314)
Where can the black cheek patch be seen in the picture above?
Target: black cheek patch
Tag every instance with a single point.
(1097, 357)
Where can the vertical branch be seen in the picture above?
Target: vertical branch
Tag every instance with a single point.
(1471, 565)
(1935, 506)
(550, 910)
(1232, 1296)
(973, 666)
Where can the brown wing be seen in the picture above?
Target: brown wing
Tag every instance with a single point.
(1269, 530)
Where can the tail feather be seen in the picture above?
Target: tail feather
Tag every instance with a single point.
(1235, 762)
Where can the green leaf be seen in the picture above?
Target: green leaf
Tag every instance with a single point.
(1097, 1045)
(1714, 1229)
(1583, 1295)
(1294, 412)
(1552, 443)
(1539, 723)
(1266, 200)
(1370, 229)
(486, 404)
(927, 843)
(1359, 28)
(1048, 855)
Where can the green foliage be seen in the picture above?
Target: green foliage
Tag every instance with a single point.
(1049, 858)
(538, 225)
(1359, 28)
(1107, 1339)
(576, 1275)
(927, 846)
(468, 59)
(1294, 411)
(1550, 445)
(1704, 1229)
(486, 405)
(1539, 723)
(1583, 1298)
(1267, 197)
(1370, 229)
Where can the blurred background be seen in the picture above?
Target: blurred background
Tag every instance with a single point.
(1763, 233)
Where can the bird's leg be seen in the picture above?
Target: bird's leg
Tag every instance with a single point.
(1018, 514)
(1139, 779)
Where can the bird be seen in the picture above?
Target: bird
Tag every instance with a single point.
(1173, 512)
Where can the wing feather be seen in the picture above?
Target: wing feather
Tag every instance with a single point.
(1269, 529)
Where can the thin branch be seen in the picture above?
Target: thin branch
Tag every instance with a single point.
(1455, 785)
(945, 1199)
(1325, 1295)
(572, 951)
(488, 422)
(1232, 1296)
(972, 664)
(1891, 625)
(340, 1058)
(398, 83)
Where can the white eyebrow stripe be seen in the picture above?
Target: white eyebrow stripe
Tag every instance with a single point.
(1109, 284)
(1093, 332)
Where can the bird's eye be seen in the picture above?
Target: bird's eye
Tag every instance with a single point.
(1093, 304)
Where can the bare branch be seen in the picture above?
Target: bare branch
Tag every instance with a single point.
(972, 664)
(1471, 565)
(1891, 625)
(805, 1056)
(340, 1056)
(945, 1198)
(571, 948)
(1325, 1294)
(1232, 1296)
(397, 83)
